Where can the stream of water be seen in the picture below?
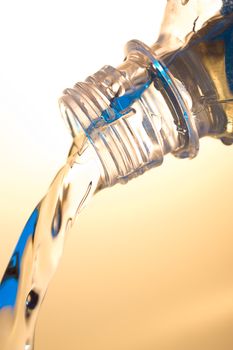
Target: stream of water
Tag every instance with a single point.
(40, 247)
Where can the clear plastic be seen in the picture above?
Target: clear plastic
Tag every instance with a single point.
(123, 121)
(159, 100)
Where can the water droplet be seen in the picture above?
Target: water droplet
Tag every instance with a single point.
(56, 224)
(31, 301)
(184, 2)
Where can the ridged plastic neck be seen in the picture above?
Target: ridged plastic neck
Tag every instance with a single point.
(132, 115)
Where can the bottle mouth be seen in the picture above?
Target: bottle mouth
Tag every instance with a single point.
(132, 115)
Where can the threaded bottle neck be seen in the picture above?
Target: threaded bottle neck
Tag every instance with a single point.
(132, 115)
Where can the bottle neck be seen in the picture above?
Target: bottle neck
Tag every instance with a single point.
(134, 115)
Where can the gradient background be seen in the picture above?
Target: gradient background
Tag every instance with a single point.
(148, 265)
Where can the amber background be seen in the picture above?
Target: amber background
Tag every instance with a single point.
(148, 265)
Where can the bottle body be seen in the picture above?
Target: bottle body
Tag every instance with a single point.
(204, 66)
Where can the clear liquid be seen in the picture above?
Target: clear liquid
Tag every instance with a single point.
(40, 247)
